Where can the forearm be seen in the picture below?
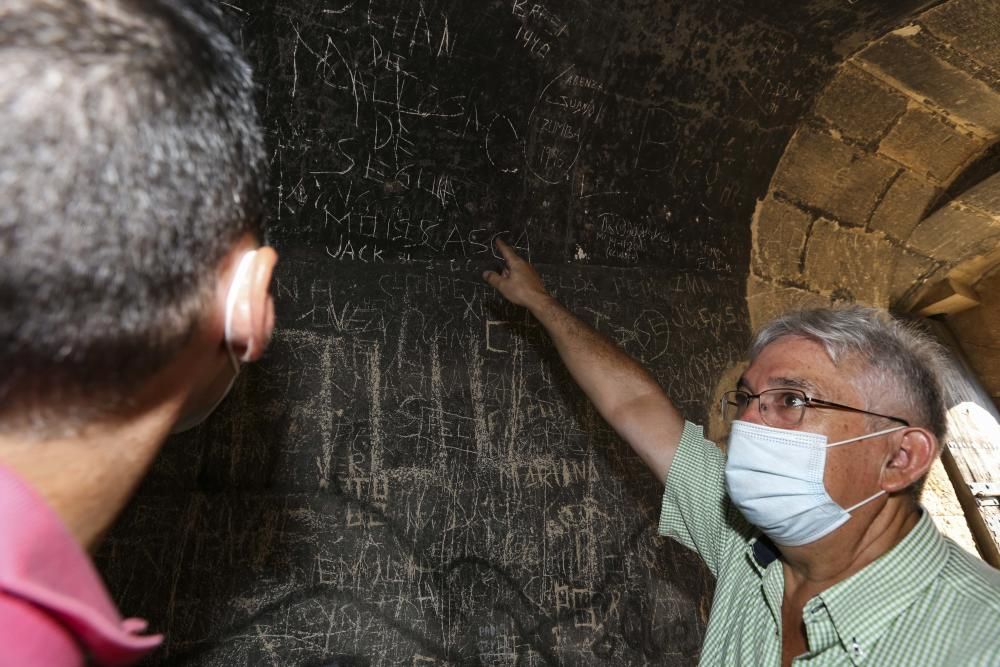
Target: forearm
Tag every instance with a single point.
(603, 370)
(624, 393)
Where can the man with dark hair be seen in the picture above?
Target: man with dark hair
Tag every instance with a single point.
(131, 286)
(810, 522)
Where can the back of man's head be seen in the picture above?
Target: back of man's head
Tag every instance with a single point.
(132, 162)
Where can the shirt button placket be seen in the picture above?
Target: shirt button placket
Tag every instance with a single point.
(856, 650)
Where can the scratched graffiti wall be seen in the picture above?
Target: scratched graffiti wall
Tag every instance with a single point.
(410, 476)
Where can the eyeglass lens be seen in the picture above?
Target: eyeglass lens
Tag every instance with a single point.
(778, 407)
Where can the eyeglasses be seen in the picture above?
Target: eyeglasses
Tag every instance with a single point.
(783, 407)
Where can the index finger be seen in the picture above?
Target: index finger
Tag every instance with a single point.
(508, 253)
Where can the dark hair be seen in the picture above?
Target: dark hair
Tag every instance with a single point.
(131, 161)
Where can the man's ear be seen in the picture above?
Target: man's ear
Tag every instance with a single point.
(913, 451)
(253, 313)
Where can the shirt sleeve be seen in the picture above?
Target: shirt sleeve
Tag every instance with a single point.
(696, 510)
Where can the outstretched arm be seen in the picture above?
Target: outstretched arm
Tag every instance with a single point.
(623, 392)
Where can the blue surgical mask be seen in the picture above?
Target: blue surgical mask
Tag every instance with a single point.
(242, 271)
(774, 476)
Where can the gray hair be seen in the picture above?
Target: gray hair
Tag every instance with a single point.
(897, 363)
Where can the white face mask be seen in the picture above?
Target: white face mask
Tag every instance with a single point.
(188, 422)
(775, 477)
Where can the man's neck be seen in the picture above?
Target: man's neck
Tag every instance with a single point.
(88, 477)
(816, 567)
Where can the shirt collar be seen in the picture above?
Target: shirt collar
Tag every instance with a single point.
(763, 552)
(864, 605)
(40, 562)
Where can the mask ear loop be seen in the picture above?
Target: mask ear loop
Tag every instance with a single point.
(864, 502)
(865, 437)
(231, 297)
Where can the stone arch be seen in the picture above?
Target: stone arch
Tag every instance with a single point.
(890, 186)
(861, 207)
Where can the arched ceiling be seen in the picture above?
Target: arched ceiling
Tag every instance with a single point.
(888, 187)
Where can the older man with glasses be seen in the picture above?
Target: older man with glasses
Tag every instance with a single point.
(811, 523)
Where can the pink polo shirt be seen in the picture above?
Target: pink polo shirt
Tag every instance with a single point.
(54, 609)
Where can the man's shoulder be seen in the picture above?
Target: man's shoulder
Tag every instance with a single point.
(961, 607)
(943, 606)
(970, 580)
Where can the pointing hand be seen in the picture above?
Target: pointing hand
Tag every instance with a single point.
(518, 282)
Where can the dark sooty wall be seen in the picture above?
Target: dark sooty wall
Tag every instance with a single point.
(410, 477)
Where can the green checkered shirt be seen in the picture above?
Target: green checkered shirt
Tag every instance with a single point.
(926, 602)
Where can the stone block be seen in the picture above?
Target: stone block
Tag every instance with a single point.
(955, 232)
(851, 264)
(981, 326)
(866, 122)
(949, 88)
(779, 236)
(945, 297)
(910, 272)
(972, 270)
(765, 300)
(826, 174)
(971, 26)
(929, 146)
(984, 196)
(903, 206)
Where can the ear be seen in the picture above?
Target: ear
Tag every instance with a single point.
(912, 453)
(253, 314)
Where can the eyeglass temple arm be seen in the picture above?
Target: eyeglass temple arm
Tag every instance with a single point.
(838, 406)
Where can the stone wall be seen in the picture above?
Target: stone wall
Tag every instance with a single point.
(978, 331)
(880, 193)
(846, 217)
